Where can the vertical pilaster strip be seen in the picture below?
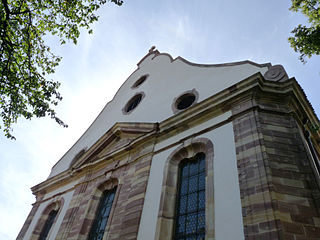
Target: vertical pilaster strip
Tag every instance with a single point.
(258, 215)
(69, 226)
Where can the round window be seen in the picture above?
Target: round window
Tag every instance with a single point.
(185, 101)
(140, 81)
(133, 103)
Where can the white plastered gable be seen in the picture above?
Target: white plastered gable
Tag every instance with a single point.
(167, 79)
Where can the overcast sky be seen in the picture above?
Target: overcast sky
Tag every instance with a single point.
(205, 31)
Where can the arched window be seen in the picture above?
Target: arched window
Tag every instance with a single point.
(47, 226)
(186, 208)
(47, 220)
(191, 199)
(102, 215)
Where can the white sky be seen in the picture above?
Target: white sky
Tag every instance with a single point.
(91, 72)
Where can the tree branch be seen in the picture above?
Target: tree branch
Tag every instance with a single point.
(6, 8)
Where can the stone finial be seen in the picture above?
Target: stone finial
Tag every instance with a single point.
(152, 49)
(276, 73)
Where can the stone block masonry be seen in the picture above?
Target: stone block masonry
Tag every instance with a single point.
(131, 182)
(277, 183)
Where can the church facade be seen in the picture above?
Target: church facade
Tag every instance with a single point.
(189, 151)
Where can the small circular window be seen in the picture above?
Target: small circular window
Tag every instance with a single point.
(133, 103)
(184, 101)
(140, 81)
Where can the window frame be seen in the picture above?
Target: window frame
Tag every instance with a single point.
(140, 81)
(92, 206)
(139, 95)
(166, 214)
(105, 194)
(55, 205)
(187, 162)
(48, 224)
(177, 100)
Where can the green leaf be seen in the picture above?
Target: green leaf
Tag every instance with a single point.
(26, 60)
(306, 40)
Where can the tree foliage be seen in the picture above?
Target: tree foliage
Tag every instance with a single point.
(306, 40)
(26, 60)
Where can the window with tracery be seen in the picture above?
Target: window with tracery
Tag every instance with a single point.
(191, 199)
(103, 212)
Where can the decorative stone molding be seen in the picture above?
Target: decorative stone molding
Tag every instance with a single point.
(117, 139)
(166, 213)
(276, 73)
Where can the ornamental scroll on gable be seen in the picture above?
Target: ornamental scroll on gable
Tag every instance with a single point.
(276, 73)
(119, 138)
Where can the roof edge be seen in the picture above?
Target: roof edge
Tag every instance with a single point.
(157, 53)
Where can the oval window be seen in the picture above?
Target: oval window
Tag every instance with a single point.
(185, 101)
(140, 81)
(133, 103)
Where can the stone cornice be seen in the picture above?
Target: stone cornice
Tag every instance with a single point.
(139, 130)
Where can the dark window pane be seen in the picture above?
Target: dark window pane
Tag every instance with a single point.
(202, 165)
(181, 224)
(202, 200)
(106, 212)
(185, 170)
(191, 225)
(103, 223)
(139, 81)
(201, 222)
(133, 103)
(202, 180)
(201, 237)
(184, 187)
(192, 202)
(100, 222)
(111, 198)
(190, 212)
(193, 184)
(99, 236)
(183, 205)
(185, 101)
(193, 168)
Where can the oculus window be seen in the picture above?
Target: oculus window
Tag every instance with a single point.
(140, 81)
(185, 100)
(133, 103)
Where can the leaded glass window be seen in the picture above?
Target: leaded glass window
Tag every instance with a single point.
(47, 226)
(191, 198)
(103, 212)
